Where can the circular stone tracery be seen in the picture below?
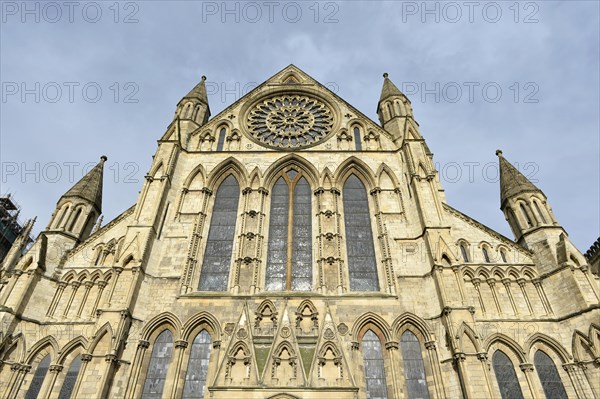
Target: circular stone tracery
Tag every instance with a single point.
(290, 121)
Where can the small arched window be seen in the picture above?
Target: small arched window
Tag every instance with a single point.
(464, 252)
(357, 138)
(506, 376)
(38, 378)
(486, 255)
(539, 211)
(195, 378)
(526, 215)
(374, 367)
(503, 255)
(159, 365)
(289, 258)
(362, 266)
(98, 257)
(414, 368)
(513, 220)
(74, 221)
(69, 384)
(219, 245)
(221, 142)
(64, 211)
(551, 382)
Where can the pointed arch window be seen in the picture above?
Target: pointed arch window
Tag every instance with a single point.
(195, 379)
(539, 211)
(464, 252)
(74, 220)
(219, 245)
(69, 384)
(551, 382)
(526, 215)
(506, 376)
(38, 378)
(357, 139)
(362, 266)
(289, 258)
(414, 368)
(221, 142)
(503, 255)
(159, 365)
(512, 219)
(486, 255)
(374, 367)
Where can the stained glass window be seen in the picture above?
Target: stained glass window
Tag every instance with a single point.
(414, 368)
(357, 140)
(67, 388)
(289, 258)
(195, 378)
(506, 376)
(221, 141)
(362, 266)
(38, 378)
(159, 365)
(374, 367)
(551, 382)
(219, 246)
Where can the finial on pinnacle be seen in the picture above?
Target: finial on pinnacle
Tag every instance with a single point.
(203, 77)
(385, 75)
(103, 158)
(499, 153)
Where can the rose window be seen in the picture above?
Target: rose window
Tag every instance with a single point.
(290, 121)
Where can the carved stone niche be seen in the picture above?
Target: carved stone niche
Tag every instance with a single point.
(265, 323)
(307, 321)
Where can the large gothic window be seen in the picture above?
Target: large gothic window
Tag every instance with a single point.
(374, 367)
(219, 246)
(362, 266)
(553, 386)
(414, 368)
(195, 379)
(38, 378)
(159, 365)
(506, 376)
(69, 384)
(289, 259)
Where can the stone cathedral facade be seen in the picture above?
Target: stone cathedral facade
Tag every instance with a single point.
(291, 248)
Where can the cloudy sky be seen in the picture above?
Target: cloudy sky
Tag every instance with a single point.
(83, 79)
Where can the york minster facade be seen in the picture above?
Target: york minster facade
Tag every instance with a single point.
(291, 248)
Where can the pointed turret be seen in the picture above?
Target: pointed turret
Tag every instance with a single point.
(194, 106)
(527, 211)
(78, 209)
(513, 182)
(392, 103)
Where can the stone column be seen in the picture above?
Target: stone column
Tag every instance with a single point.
(178, 356)
(459, 362)
(540, 290)
(56, 300)
(476, 281)
(117, 272)
(53, 372)
(392, 348)
(101, 286)
(435, 368)
(492, 283)
(88, 285)
(384, 244)
(574, 372)
(85, 360)
(460, 283)
(136, 366)
(18, 374)
(482, 356)
(527, 368)
(506, 282)
(522, 283)
(75, 285)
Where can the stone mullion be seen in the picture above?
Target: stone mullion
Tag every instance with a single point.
(321, 270)
(460, 283)
(540, 290)
(88, 285)
(476, 282)
(527, 369)
(130, 390)
(398, 192)
(392, 348)
(101, 286)
(85, 360)
(438, 276)
(16, 380)
(263, 192)
(241, 243)
(184, 192)
(75, 285)
(335, 197)
(194, 248)
(438, 381)
(53, 371)
(492, 284)
(506, 283)
(56, 300)
(522, 283)
(482, 356)
(180, 347)
(459, 361)
(383, 242)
